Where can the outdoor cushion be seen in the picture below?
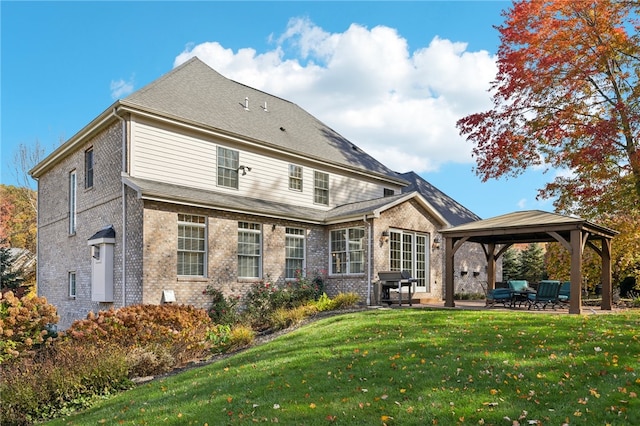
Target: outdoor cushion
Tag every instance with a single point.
(499, 295)
(565, 292)
(518, 285)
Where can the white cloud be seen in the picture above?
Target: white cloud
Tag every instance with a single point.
(120, 88)
(399, 106)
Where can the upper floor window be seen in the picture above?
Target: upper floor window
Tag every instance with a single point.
(88, 168)
(192, 245)
(321, 188)
(347, 251)
(295, 177)
(294, 252)
(249, 250)
(228, 163)
(388, 192)
(73, 192)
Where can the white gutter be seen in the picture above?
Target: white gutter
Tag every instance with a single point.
(124, 207)
(370, 256)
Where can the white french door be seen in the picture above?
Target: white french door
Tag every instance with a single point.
(408, 251)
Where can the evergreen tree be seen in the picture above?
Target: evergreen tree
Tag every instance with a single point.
(531, 263)
(510, 265)
(10, 278)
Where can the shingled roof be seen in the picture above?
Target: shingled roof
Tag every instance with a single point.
(453, 212)
(195, 93)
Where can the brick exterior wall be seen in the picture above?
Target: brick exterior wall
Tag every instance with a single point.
(60, 253)
(160, 253)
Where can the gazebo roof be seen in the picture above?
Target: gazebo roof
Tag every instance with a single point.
(526, 227)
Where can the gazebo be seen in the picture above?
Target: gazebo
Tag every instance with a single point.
(497, 234)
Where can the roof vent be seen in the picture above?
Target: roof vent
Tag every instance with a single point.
(283, 129)
(246, 104)
(265, 107)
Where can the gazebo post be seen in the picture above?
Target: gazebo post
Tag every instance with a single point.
(491, 266)
(448, 273)
(575, 302)
(607, 289)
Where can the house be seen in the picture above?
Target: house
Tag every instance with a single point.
(198, 180)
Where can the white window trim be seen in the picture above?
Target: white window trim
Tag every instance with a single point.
(73, 202)
(73, 289)
(302, 236)
(348, 252)
(204, 252)
(293, 177)
(316, 174)
(257, 230)
(232, 169)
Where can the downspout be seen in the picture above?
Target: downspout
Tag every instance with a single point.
(369, 256)
(124, 208)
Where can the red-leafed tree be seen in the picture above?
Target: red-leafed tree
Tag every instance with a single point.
(567, 97)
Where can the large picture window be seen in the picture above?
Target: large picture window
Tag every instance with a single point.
(73, 202)
(347, 251)
(192, 245)
(228, 162)
(321, 188)
(249, 250)
(408, 252)
(294, 252)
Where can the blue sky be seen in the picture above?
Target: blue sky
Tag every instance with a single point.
(393, 77)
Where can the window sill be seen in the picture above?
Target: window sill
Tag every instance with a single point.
(195, 278)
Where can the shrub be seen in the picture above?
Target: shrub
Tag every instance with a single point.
(223, 310)
(260, 302)
(61, 378)
(345, 300)
(148, 360)
(324, 303)
(24, 323)
(282, 318)
(241, 336)
(219, 335)
(180, 330)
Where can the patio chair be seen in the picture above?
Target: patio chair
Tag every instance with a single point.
(547, 294)
(498, 295)
(564, 294)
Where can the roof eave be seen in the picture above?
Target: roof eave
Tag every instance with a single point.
(72, 143)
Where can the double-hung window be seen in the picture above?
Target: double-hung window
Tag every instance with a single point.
(192, 245)
(347, 251)
(295, 177)
(294, 252)
(321, 188)
(249, 250)
(228, 163)
(73, 202)
(88, 168)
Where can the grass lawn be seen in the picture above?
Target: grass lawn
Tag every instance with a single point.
(408, 367)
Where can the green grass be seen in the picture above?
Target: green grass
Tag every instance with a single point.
(408, 367)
